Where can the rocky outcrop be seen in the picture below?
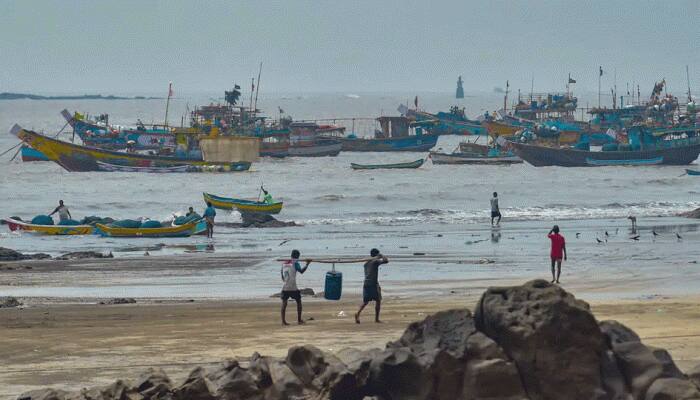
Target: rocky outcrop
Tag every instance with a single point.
(534, 341)
(692, 214)
(9, 302)
(80, 255)
(260, 220)
(118, 300)
(12, 255)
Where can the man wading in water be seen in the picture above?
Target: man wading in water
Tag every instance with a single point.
(290, 289)
(371, 290)
(495, 210)
(558, 250)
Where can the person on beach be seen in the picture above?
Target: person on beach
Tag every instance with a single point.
(495, 210)
(558, 251)
(289, 288)
(371, 290)
(267, 199)
(209, 215)
(62, 210)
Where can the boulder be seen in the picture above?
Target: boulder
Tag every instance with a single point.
(694, 375)
(642, 365)
(79, 255)
(154, 384)
(44, 394)
(118, 300)
(9, 302)
(261, 220)
(195, 387)
(543, 328)
(672, 389)
(11, 255)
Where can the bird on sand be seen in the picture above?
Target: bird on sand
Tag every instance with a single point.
(678, 236)
(606, 234)
(578, 234)
(598, 240)
(653, 232)
(635, 237)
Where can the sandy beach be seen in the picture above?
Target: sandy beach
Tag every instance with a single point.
(75, 343)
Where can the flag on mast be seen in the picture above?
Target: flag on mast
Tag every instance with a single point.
(601, 71)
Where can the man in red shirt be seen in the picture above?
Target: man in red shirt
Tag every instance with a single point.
(558, 250)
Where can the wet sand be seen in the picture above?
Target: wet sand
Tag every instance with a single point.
(76, 345)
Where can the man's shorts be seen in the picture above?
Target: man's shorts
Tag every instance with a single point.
(291, 294)
(371, 293)
(495, 214)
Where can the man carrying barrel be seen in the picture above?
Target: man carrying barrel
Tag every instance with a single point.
(371, 290)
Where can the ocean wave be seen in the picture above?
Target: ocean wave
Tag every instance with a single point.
(559, 212)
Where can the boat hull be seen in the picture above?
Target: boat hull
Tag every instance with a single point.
(227, 203)
(61, 230)
(692, 172)
(30, 155)
(462, 159)
(540, 156)
(409, 165)
(78, 158)
(184, 230)
(407, 143)
(317, 150)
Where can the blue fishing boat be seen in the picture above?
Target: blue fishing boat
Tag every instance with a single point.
(395, 135)
(692, 172)
(453, 122)
(30, 155)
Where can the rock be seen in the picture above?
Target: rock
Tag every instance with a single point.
(118, 300)
(119, 390)
(9, 302)
(44, 394)
(153, 384)
(543, 328)
(617, 333)
(672, 389)
(694, 375)
(642, 365)
(304, 292)
(80, 255)
(691, 214)
(38, 256)
(195, 387)
(261, 220)
(399, 374)
(11, 255)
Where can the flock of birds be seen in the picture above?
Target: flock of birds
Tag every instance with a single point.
(636, 236)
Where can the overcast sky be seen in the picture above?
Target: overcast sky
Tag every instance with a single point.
(354, 46)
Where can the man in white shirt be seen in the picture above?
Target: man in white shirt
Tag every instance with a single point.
(62, 210)
(289, 288)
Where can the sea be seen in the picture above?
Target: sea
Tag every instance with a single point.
(433, 220)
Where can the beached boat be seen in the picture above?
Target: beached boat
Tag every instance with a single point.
(30, 155)
(16, 225)
(227, 203)
(465, 158)
(184, 230)
(646, 147)
(692, 172)
(407, 165)
(74, 157)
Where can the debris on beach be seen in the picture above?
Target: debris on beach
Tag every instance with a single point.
(9, 302)
(118, 300)
(532, 341)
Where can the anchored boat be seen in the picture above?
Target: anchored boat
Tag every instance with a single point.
(227, 203)
(407, 165)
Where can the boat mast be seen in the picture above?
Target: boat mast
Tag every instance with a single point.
(167, 102)
(257, 89)
(687, 76)
(505, 99)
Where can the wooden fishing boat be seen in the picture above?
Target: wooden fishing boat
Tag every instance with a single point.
(418, 143)
(227, 203)
(407, 165)
(30, 155)
(74, 157)
(466, 158)
(305, 140)
(496, 129)
(692, 172)
(320, 148)
(671, 151)
(103, 166)
(16, 225)
(183, 230)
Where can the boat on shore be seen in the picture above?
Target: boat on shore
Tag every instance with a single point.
(183, 230)
(228, 203)
(17, 225)
(73, 157)
(406, 165)
(647, 147)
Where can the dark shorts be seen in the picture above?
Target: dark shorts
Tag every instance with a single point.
(495, 214)
(291, 294)
(371, 293)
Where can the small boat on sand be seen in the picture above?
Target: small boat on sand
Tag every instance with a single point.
(227, 203)
(17, 225)
(184, 230)
(407, 165)
(692, 172)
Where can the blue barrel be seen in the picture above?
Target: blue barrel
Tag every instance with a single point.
(334, 285)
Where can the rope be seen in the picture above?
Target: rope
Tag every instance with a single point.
(11, 148)
(331, 261)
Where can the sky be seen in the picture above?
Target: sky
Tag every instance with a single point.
(138, 46)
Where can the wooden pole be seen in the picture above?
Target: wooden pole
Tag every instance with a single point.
(257, 89)
(167, 103)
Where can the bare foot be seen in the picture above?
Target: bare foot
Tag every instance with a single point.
(552, 281)
(357, 318)
(378, 321)
(284, 323)
(301, 322)
(557, 280)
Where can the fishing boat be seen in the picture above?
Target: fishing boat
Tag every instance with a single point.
(103, 166)
(453, 122)
(393, 136)
(73, 157)
(17, 225)
(30, 155)
(463, 158)
(102, 135)
(227, 203)
(407, 165)
(496, 128)
(663, 147)
(692, 172)
(183, 230)
(307, 139)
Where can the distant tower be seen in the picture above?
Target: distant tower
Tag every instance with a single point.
(460, 89)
